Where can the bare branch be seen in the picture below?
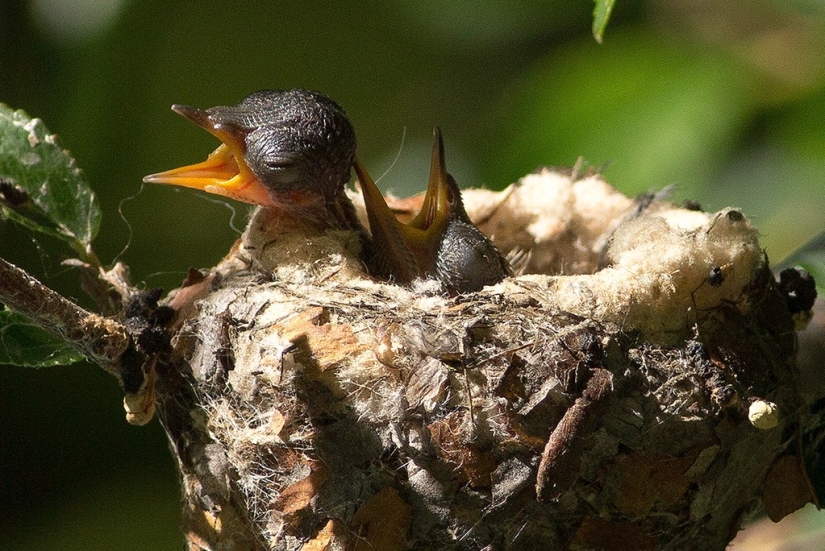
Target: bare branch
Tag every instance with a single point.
(101, 340)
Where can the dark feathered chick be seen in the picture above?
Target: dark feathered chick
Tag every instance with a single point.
(289, 150)
(292, 151)
(440, 242)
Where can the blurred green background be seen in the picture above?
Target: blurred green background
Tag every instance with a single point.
(723, 98)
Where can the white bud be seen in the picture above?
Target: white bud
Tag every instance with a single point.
(763, 414)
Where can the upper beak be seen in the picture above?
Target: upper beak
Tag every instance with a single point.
(224, 171)
(405, 252)
(437, 205)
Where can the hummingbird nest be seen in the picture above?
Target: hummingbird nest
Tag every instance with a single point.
(630, 388)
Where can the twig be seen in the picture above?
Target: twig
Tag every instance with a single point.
(558, 468)
(101, 340)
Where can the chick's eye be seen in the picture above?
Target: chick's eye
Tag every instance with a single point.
(453, 196)
(279, 163)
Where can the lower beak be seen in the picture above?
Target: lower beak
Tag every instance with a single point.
(392, 256)
(437, 205)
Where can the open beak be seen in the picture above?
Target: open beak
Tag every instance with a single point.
(404, 252)
(224, 171)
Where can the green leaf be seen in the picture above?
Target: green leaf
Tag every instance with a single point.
(601, 15)
(24, 343)
(811, 257)
(40, 186)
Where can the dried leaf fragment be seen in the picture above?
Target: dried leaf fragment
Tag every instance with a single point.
(382, 522)
(329, 538)
(598, 533)
(298, 496)
(472, 464)
(329, 343)
(645, 481)
(786, 488)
